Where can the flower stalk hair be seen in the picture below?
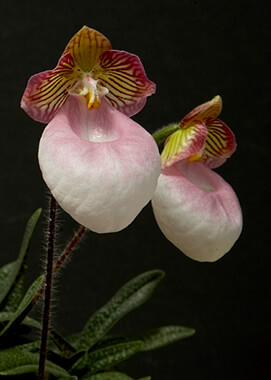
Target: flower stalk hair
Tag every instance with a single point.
(100, 165)
(48, 288)
(194, 207)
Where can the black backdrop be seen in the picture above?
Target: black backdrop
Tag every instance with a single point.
(193, 50)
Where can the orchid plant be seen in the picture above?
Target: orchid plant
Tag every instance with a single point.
(102, 168)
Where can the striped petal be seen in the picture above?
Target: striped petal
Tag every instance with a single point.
(220, 143)
(123, 75)
(86, 46)
(184, 143)
(46, 92)
(204, 111)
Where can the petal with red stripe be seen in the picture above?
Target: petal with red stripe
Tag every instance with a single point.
(205, 110)
(46, 92)
(220, 143)
(123, 75)
(86, 47)
(184, 143)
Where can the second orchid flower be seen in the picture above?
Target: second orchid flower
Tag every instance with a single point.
(194, 207)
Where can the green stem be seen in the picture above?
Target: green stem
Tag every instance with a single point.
(162, 134)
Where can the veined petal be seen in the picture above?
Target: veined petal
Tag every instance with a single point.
(46, 92)
(100, 165)
(86, 46)
(123, 75)
(220, 143)
(209, 109)
(197, 210)
(184, 143)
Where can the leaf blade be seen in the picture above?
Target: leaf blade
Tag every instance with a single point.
(107, 357)
(162, 336)
(23, 308)
(130, 296)
(10, 271)
(15, 361)
(5, 316)
(112, 375)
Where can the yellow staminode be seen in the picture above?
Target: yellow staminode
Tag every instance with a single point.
(92, 101)
(197, 157)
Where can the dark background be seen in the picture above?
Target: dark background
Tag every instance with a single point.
(192, 50)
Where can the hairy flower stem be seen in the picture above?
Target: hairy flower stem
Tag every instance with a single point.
(71, 245)
(48, 288)
(76, 238)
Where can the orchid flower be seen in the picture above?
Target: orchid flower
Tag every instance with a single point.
(100, 165)
(194, 207)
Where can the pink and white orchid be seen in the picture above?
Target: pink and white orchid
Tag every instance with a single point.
(101, 166)
(194, 207)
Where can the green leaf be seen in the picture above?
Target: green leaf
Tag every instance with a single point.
(10, 271)
(110, 340)
(24, 306)
(163, 336)
(133, 294)
(8, 275)
(33, 347)
(15, 361)
(112, 376)
(17, 291)
(107, 357)
(108, 376)
(6, 316)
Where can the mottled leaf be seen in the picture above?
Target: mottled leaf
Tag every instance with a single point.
(133, 294)
(107, 357)
(108, 376)
(32, 347)
(15, 361)
(17, 291)
(163, 336)
(110, 340)
(23, 308)
(6, 316)
(8, 275)
(10, 271)
(112, 376)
